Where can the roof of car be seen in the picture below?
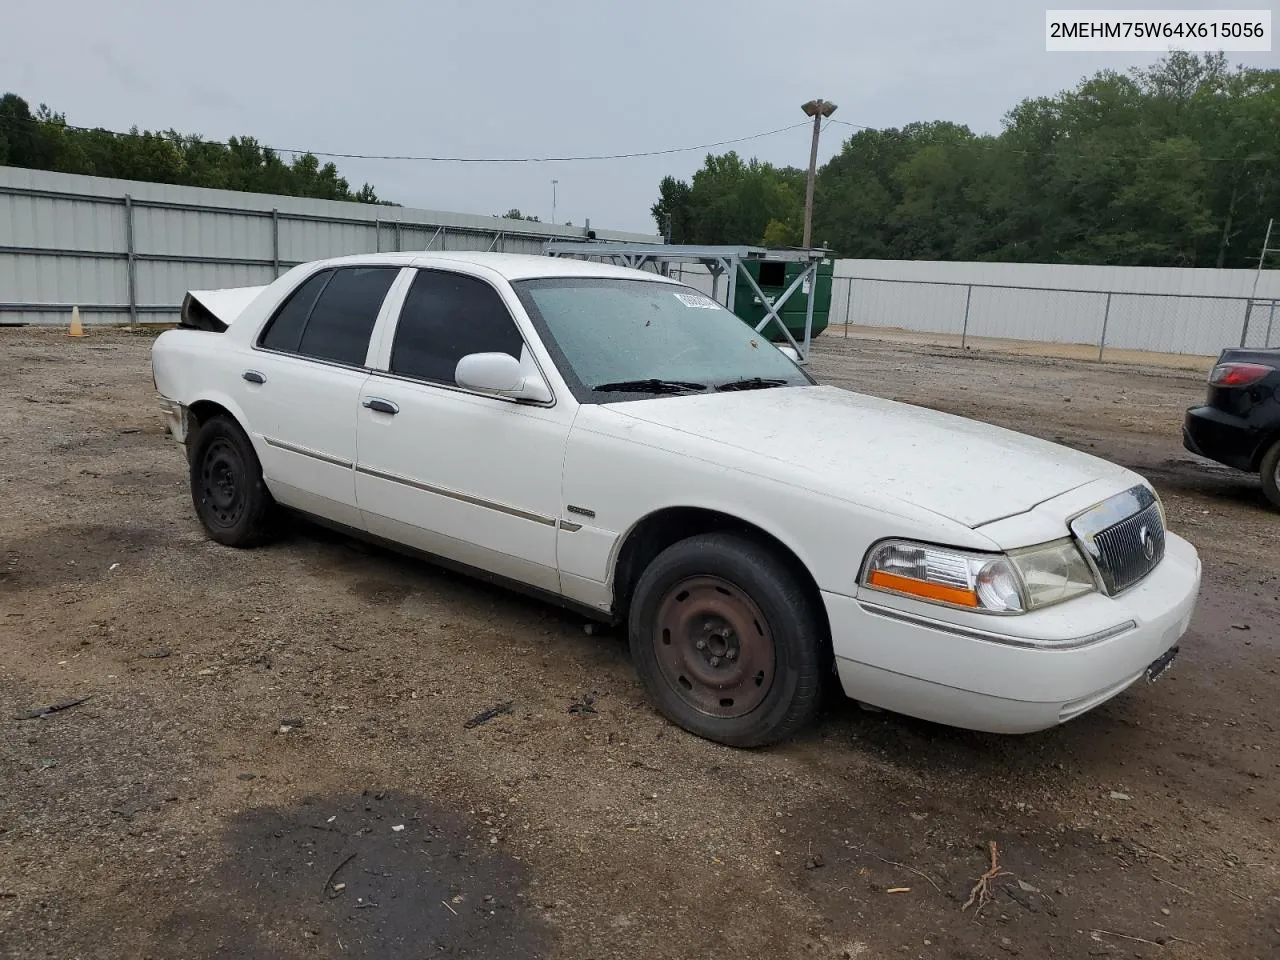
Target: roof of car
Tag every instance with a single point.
(512, 266)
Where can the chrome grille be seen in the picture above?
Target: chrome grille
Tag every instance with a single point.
(1123, 537)
(1131, 549)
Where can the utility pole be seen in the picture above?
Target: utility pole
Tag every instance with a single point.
(553, 200)
(818, 109)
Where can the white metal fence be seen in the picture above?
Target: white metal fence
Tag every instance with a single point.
(1198, 324)
(122, 250)
(1156, 309)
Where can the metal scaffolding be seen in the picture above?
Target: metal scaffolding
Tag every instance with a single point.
(720, 261)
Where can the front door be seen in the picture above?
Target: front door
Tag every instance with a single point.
(469, 477)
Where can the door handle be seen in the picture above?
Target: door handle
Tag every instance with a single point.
(253, 376)
(382, 406)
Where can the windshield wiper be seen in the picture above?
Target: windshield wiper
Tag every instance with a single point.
(751, 383)
(651, 385)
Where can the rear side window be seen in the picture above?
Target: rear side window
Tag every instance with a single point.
(445, 317)
(285, 330)
(341, 321)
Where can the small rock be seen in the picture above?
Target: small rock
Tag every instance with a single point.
(814, 862)
(1165, 911)
(1027, 887)
(339, 887)
(398, 827)
(1240, 626)
(246, 776)
(157, 653)
(1117, 795)
(206, 672)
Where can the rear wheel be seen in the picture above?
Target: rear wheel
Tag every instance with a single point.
(1271, 474)
(727, 641)
(226, 485)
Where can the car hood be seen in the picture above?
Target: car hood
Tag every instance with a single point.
(845, 444)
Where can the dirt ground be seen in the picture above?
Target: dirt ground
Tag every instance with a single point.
(276, 758)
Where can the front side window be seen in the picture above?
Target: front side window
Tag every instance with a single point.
(617, 339)
(445, 317)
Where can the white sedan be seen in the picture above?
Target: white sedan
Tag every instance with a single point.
(620, 443)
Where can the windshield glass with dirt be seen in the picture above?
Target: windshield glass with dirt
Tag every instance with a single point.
(615, 339)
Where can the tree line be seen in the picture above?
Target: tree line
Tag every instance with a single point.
(1175, 165)
(43, 140)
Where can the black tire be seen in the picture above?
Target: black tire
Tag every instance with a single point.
(227, 489)
(1271, 474)
(753, 603)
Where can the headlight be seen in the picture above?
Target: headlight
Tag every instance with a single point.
(989, 583)
(1052, 573)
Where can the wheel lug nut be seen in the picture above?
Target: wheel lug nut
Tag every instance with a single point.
(701, 644)
(715, 661)
(732, 654)
(708, 627)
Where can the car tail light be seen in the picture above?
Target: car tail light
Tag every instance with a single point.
(1238, 374)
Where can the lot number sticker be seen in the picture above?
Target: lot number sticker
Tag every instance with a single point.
(696, 300)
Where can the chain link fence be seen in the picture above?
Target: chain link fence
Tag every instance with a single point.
(1105, 322)
(1096, 324)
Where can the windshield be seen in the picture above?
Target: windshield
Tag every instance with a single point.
(618, 339)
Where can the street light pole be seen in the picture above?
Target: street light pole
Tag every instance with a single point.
(553, 200)
(818, 109)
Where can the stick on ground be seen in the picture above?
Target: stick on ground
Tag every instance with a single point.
(981, 892)
(349, 858)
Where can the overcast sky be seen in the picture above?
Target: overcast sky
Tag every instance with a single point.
(510, 78)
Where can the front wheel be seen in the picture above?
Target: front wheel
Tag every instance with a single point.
(727, 641)
(1271, 474)
(227, 489)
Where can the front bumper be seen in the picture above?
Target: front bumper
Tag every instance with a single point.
(1060, 663)
(1216, 435)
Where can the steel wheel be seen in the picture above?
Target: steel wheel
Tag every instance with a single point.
(221, 475)
(714, 647)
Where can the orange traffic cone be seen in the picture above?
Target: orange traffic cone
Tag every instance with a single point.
(77, 330)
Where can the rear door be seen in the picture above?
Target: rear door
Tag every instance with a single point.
(307, 370)
(463, 475)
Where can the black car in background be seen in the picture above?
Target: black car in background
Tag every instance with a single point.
(1239, 425)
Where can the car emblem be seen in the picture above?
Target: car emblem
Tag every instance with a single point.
(1148, 543)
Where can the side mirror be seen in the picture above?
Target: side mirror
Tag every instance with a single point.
(499, 373)
(790, 351)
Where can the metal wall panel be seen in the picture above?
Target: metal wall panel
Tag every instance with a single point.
(187, 238)
(36, 221)
(165, 284)
(45, 279)
(1162, 309)
(201, 233)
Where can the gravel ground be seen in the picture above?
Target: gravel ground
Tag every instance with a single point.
(276, 758)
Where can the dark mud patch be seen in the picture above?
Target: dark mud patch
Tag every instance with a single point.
(71, 554)
(376, 875)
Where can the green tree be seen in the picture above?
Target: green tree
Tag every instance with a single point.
(1177, 164)
(43, 140)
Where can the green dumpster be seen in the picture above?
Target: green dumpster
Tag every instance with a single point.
(773, 277)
